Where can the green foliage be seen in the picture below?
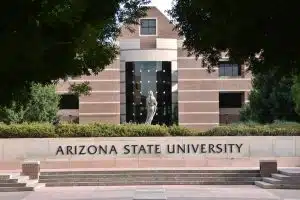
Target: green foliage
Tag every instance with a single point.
(25, 130)
(263, 33)
(296, 93)
(43, 40)
(80, 89)
(42, 106)
(13, 114)
(270, 99)
(253, 130)
(176, 130)
(130, 130)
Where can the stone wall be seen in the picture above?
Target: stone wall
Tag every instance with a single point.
(198, 152)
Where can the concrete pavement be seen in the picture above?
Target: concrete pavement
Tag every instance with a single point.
(156, 192)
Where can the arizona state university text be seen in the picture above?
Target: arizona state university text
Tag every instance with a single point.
(149, 149)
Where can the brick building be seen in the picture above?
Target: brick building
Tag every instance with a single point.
(152, 58)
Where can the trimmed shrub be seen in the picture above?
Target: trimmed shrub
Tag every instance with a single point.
(34, 130)
(181, 131)
(252, 130)
(39, 130)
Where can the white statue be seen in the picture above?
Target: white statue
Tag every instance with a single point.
(151, 104)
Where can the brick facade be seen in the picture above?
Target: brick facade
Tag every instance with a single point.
(194, 90)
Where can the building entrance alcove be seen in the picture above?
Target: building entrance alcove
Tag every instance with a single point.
(142, 77)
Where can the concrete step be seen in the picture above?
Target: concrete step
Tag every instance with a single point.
(21, 179)
(55, 176)
(282, 181)
(271, 180)
(16, 189)
(115, 179)
(121, 183)
(34, 184)
(12, 184)
(290, 173)
(149, 172)
(5, 176)
(19, 183)
(265, 185)
(14, 180)
(281, 176)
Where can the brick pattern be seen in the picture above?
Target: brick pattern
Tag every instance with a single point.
(196, 73)
(199, 107)
(198, 117)
(228, 85)
(104, 75)
(31, 169)
(198, 96)
(100, 108)
(101, 97)
(267, 168)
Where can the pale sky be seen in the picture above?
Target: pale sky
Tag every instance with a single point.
(162, 5)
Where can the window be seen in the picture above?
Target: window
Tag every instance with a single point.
(230, 100)
(227, 69)
(148, 27)
(69, 101)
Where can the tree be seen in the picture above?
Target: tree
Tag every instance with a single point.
(42, 105)
(80, 89)
(42, 41)
(270, 99)
(263, 34)
(296, 93)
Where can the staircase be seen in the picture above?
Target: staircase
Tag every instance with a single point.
(149, 177)
(15, 183)
(282, 180)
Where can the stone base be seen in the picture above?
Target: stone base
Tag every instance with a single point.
(267, 167)
(31, 169)
(154, 163)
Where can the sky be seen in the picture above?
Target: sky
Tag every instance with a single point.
(162, 5)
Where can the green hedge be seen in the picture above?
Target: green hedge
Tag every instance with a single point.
(131, 130)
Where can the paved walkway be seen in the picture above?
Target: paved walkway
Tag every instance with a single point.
(156, 192)
(292, 169)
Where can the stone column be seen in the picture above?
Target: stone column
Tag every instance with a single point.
(267, 167)
(31, 169)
